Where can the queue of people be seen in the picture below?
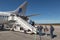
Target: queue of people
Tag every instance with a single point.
(39, 28)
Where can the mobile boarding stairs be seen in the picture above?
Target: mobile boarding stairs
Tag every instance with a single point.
(22, 23)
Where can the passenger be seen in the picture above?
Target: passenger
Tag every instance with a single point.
(30, 21)
(33, 23)
(40, 30)
(37, 29)
(51, 31)
(45, 30)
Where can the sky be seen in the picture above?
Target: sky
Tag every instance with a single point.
(49, 10)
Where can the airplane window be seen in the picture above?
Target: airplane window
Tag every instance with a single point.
(3, 16)
(0, 16)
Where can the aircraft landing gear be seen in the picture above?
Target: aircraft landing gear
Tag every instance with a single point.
(2, 27)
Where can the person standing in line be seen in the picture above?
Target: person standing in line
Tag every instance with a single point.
(30, 22)
(51, 31)
(46, 30)
(40, 30)
(37, 29)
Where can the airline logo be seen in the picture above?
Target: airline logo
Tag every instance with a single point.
(20, 10)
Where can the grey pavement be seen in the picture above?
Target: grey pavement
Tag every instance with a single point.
(10, 35)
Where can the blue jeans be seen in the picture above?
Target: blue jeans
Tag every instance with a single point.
(40, 32)
(51, 33)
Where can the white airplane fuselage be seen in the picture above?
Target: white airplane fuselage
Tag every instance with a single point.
(19, 11)
(16, 19)
(4, 17)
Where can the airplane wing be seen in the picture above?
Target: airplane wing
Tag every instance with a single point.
(33, 15)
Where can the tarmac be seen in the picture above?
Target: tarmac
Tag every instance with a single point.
(11, 35)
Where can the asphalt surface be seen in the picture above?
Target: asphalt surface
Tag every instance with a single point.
(10, 35)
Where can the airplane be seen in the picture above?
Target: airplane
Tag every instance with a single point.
(20, 12)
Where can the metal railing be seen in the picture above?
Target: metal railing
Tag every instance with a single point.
(25, 24)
